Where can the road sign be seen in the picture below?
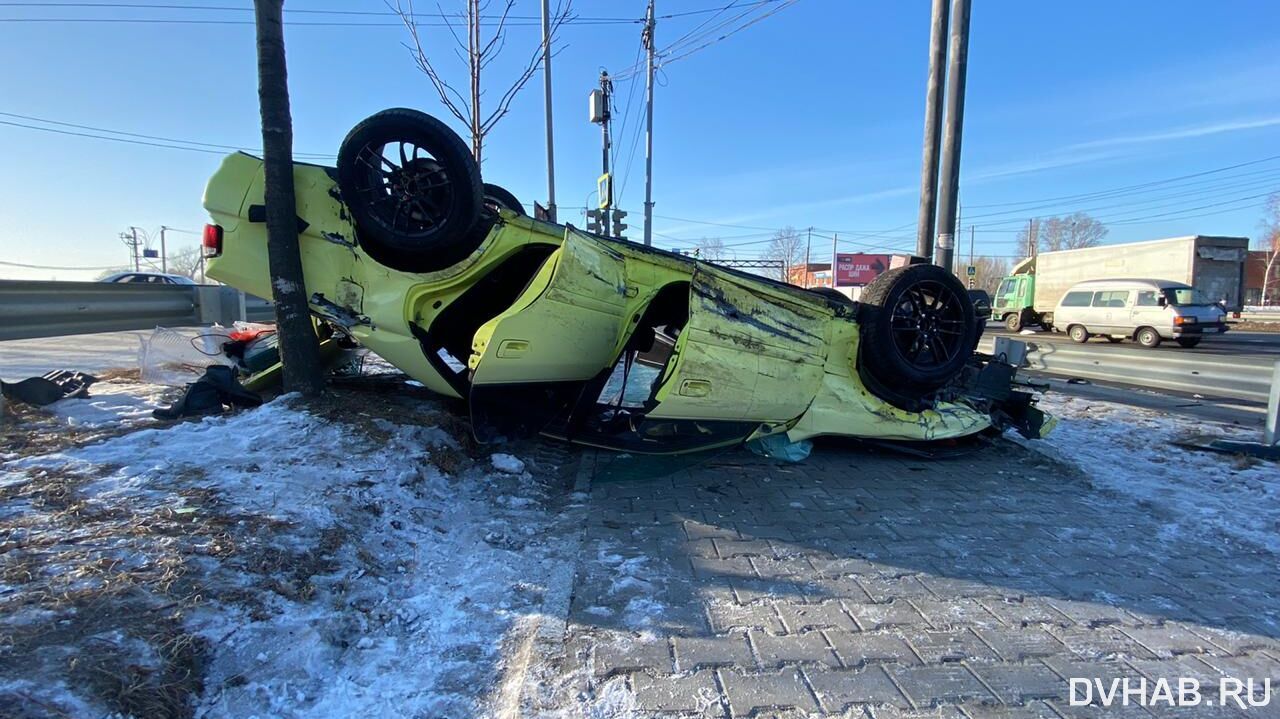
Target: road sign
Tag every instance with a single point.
(971, 271)
(604, 188)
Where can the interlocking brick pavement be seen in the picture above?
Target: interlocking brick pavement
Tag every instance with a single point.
(867, 584)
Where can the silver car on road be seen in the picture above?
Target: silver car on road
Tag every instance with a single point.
(1144, 310)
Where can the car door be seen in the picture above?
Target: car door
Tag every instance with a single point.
(745, 354)
(1148, 312)
(565, 326)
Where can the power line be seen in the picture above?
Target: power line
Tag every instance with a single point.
(297, 11)
(1157, 202)
(52, 267)
(127, 137)
(1096, 194)
(144, 136)
(786, 4)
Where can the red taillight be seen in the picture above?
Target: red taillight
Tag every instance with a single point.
(211, 241)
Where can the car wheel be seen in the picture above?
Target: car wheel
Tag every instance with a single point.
(1148, 337)
(1078, 333)
(413, 190)
(499, 197)
(1115, 340)
(917, 329)
(1013, 322)
(1188, 342)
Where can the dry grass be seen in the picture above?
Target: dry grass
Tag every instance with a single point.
(97, 593)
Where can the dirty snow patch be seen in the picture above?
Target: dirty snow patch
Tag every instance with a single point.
(507, 463)
(336, 569)
(1130, 451)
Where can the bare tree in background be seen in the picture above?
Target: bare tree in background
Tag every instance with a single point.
(185, 262)
(989, 272)
(299, 349)
(479, 53)
(787, 245)
(1071, 232)
(712, 249)
(1270, 242)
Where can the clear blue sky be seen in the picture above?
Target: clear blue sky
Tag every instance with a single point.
(811, 117)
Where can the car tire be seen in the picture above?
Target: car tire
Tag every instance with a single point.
(411, 213)
(1078, 333)
(1013, 322)
(1188, 342)
(905, 313)
(832, 294)
(500, 197)
(1148, 337)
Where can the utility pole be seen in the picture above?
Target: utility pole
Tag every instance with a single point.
(601, 113)
(808, 245)
(932, 140)
(131, 240)
(164, 255)
(648, 131)
(546, 92)
(971, 228)
(952, 131)
(835, 240)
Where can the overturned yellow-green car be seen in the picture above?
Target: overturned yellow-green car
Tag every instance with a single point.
(544, 328)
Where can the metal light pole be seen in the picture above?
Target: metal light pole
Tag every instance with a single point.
(648, 131)
(164, 255)
(952, 131)
(932, 119)
(546, 92)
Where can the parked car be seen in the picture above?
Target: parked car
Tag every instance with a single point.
(536, 324)
(1146, 311)
(148, 278)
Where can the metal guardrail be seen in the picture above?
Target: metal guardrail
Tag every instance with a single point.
(30, 309)
(1239, 378)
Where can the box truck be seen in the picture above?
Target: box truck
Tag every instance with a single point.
(1213, 265)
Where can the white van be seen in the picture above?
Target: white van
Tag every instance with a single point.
(1147, 311)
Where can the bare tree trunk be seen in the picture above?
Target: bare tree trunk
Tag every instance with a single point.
(299, 350)
(1266, 276)
(475, 56)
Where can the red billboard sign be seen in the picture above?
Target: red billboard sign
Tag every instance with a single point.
(857, 268)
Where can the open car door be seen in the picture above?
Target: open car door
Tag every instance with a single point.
(530, 362)
(744, 360)
(745, 355)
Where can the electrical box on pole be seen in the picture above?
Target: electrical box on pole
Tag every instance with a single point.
(597, 108)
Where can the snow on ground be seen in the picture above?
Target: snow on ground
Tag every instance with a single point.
(113, 402)
(356, 558)
(1129, 450)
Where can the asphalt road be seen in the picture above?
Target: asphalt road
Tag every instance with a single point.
(1262, 345)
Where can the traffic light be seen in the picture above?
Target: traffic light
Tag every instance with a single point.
(593, 221)
(618, 225)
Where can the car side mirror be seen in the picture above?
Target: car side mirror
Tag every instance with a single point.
(1162, 301)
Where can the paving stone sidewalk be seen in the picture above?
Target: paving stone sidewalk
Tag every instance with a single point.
(867, 584)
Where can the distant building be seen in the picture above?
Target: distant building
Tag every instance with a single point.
(815, 274)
